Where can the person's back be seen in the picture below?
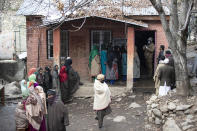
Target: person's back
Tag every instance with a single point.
(166, 74)
(57, 115)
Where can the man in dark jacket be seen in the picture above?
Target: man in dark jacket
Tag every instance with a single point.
(166, 76)
(57, 113)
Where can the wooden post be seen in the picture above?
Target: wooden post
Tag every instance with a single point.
(56, 47)
(130, 57)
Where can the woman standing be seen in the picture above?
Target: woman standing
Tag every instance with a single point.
(102, 99)
(55, 81)
(124, 63)
(94, 62)
(64, 84)
(136, 65)
(103, 59)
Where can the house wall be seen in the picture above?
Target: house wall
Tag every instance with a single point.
(79, 41)
(12, 30)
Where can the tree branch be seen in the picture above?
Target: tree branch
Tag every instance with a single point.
(191, 3)
(174, 22)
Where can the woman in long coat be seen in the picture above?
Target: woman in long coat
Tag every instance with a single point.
(103, 59)
(64, 84)
(136, 65)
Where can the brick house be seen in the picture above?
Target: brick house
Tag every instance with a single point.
(49, 42)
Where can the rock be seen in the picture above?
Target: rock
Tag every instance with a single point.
(190, 116)
(148, 102)
(153, 98)
(151, 119)
(187, 111)
(123, 95)
(148, 107)
(148, 126)
(193, 81)
(187, 127)
(183, 107)
(171, 106)
(134, 105)
(119, 99)
(154, 105)
(149, 113)
(119, 119)
(170, 125)
(179, 113)
(133, 96)
(164, 108)
(158, 121)
(157, 113)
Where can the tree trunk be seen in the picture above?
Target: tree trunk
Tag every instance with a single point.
(182, 80)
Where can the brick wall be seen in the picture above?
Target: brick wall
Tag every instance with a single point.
(36, 36)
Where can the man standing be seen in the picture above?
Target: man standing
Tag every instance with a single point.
(148, 53)
(166, 75)
(57, 113)
(161, 53)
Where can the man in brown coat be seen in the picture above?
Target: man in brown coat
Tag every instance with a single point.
(166, 75)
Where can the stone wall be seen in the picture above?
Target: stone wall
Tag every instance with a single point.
(172, 112)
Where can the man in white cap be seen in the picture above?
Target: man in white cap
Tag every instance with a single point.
(102, 99)
(148, 53)
(166, 75)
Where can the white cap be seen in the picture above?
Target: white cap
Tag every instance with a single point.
(68, 58)
(166, 61)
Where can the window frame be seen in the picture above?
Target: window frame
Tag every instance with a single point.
(49, 45)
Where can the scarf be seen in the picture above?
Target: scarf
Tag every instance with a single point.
(32, 80)
(24, 89)
(63, 75)
(31, 71)
(68, 64)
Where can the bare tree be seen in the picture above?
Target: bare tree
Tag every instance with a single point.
(176, 31)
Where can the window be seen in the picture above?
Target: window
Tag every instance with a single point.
(64, 43)
(99, 37)
(50, 43)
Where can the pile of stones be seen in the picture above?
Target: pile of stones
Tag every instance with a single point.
(172, 112)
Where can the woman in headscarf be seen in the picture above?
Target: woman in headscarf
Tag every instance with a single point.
(136, 65)
(94, 62)
(55, 81)
(31, 71)
(42, 95)
(73, 78)
(24, 89)
(40, 77)
(103, 59)
(102, 99)
(47, 79)
(64, 84)
(112, 66)
(35, 110)
(124, 63)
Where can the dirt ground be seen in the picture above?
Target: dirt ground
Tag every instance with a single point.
(82, 117)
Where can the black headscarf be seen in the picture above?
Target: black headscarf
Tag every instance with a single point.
(52, 99)
(68, 63)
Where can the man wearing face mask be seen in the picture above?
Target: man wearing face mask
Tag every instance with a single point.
(102, 99)
(148, 53)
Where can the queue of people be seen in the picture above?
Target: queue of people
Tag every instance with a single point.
(164, 75)
(46, 89)
(111, 62)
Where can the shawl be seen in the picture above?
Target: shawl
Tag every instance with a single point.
(34, 109)
(43, 98)
(24, 89)
(101, 95)
(31, 71)
(20, 117)
(93, 53)
(63, 75)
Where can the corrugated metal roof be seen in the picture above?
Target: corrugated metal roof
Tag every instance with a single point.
(103, 8)
(119, 19)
